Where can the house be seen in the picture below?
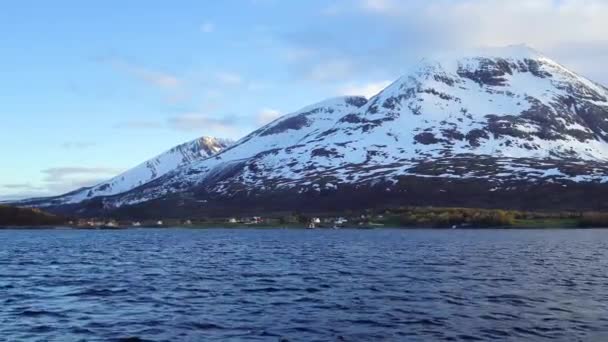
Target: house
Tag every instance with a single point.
(159, 223)
(254, 220)
(232, 220)
(314, 222)
(340, 222)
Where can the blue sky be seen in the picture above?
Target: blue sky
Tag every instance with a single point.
(92, 88)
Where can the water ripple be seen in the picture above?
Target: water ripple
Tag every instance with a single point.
(292, 285)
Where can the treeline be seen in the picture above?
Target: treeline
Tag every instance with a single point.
(594, 219)
(479, 218)
(450, 217)
(13, 216)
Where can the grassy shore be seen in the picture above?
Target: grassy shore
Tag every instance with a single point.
(408, 217)
(405, 217)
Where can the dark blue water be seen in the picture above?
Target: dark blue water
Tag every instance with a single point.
(302, 285)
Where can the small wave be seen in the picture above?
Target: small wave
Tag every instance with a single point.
(41, 329)
(97, 293)
(40, 313)
(131, 339)
(206, 326)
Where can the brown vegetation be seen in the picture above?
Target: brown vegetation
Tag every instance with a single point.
(594, 219)
(449, 217)
(13, 216)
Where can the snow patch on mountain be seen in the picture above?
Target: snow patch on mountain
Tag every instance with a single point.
(498, 115)
(508, 103)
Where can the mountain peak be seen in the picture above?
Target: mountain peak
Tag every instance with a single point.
(171, 160)
(489, 117)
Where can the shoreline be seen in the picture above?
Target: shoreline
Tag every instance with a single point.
(251, 227)
(395, 218)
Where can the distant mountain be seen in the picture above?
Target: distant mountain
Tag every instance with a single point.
(506, 128)
(146, 172)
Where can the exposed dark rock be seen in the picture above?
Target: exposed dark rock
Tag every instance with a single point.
(441, 95)
(322, 152)
(392, 102)
(444, 79)
(490, 72)
(426, 138)
(534, 67)
(474, 136)
(595, 117)
(351, 118)
(294, 123)
(356, 101)
(505, 126)
(452, 134)
(104, 187)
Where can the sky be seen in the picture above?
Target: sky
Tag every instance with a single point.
(92, 88)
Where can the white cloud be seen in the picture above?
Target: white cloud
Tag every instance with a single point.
(368, 90)
(175, 88)
(540, 23)
(267, 115)
(155, 78)
(381, 38)
(208, 27)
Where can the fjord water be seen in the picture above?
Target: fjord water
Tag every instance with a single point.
(303, 285)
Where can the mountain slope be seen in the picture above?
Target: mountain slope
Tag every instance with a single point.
(505, 128)
(146, 172)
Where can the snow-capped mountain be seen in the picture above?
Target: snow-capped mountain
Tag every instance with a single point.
(502, 127)
(146, 172)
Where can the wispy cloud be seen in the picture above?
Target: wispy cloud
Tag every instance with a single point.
(225, 126)
(331, 70)
(208, 27)
(160, 79)
(199, 122)
(139, 124)
(58, 180)
(267, 115)
(174, 88)
(398, 33)
(77, 145)
(368, 89)
(62, 179)
(21, 187)
(379, 6)
(229, 78)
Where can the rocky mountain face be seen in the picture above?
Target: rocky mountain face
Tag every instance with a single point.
(505, 128)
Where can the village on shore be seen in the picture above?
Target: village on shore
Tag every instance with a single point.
(232, 222)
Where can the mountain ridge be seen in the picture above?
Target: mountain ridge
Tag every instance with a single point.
(508, 120)
(141, 174)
